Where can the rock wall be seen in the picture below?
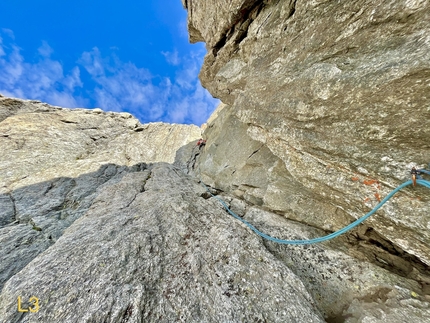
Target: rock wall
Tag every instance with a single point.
(53, 162)
(102, 230)
(326, 110)
(151, 249)
(99, 223)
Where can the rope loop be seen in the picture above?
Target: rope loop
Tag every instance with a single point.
(416, 180)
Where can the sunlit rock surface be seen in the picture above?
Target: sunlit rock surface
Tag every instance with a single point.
(338, 93)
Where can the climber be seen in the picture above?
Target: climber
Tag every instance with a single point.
(201, 143)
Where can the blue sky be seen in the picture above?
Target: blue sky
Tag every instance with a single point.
(129, 55)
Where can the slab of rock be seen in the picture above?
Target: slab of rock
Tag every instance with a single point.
(53, 163)
(113, 241)
(326, 110)
(151, 249)
(47, 142)
(99, 230)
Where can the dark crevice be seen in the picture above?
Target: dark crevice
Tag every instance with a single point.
(206, 195)
(68, 121)
(292, 9)
(210, 191)
(255, 151)
(127, 313)
(220, 44)
(246, 20)
(290, 14)
(248, 186)
(89, 128)
(383, 253)
(242, 32)
(15, 215)
(48, 188)
(239, 28)
(97, 138)
(143, 187)
(338, 318)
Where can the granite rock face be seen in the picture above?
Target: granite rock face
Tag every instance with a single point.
(100, 231)
(326, 110)
(37, 138)
(151, 249)
(100, 228)
(53, 162)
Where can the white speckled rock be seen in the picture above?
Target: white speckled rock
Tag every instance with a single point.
(53, 163)
(327, 110)
(151, 249)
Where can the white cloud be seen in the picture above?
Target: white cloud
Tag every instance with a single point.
(61, 99)
(2, 52)
(125, 87)
(194, 108)
(92, 62)
(45, 50)
(197, 105)
(43, 80)
(11, 66)
(73, 80)
(172, 57)
(119, 86)
(9, 33)
(114, 85)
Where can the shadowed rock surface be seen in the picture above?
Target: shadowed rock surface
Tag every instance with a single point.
(151, 249)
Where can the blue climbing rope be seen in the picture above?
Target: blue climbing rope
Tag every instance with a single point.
(424, 171)
(332, 235)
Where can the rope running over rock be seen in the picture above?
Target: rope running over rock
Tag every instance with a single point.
(327, 237)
